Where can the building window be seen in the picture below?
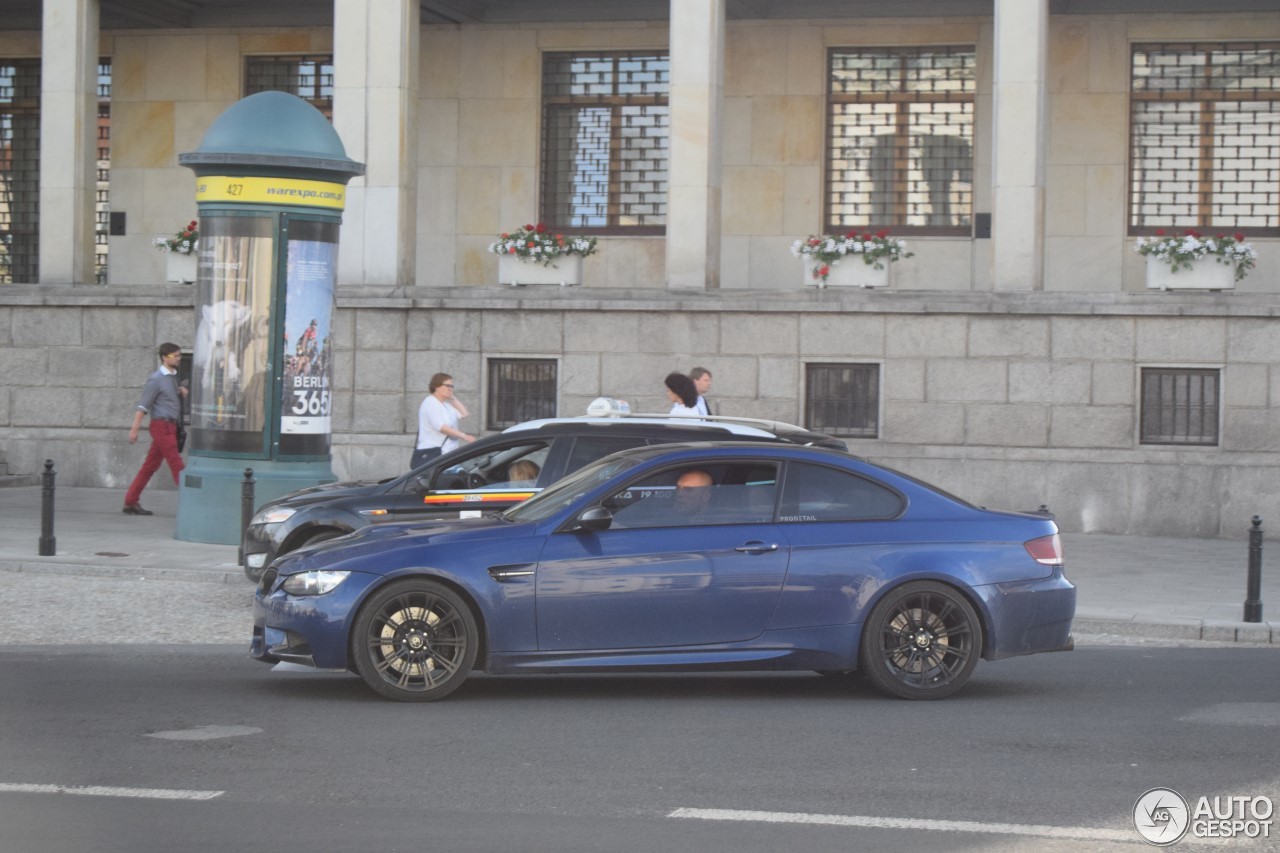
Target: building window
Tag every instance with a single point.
(1205, 137)
(605, 142)
(19, 171)
(520, 389)
(1180, 405)
(843, 399)
(308, 77)
(102, 200)
(900, 139)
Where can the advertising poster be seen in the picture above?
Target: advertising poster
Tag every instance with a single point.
(306, 398)
(230, 352)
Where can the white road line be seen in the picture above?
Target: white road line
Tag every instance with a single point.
(1080, 832)
(102, 791)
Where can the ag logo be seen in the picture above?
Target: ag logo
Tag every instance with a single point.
(1161, 816)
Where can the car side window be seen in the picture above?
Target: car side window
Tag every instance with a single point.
(698, 495)
(818, 493)
(511, 466)
(589, 448)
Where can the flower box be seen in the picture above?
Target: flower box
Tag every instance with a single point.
(851, 272)
(1206, 274)
(567, 270)
(180, 268)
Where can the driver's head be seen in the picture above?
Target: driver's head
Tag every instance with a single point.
(693, 490)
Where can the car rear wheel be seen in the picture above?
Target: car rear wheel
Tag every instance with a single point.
(922, 641)
(414, 641)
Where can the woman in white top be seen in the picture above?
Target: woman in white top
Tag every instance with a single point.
(438, 418)
(683, 395)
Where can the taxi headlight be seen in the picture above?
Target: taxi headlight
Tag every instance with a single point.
(313, 583)
(272, 515)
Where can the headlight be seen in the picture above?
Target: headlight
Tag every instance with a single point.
(272, 516)
(313, 583)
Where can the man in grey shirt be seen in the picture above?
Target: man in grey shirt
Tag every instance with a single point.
(162, 399)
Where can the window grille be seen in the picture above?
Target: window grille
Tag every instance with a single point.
(520, 389)
(843, 399)
(1179, 406)
(900, 139)
(1205, 137)
(19, 170)
(102, 199)
(605, 129)
(308, 77)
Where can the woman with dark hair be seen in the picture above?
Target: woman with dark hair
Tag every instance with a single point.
(438, 418)
(683, 395)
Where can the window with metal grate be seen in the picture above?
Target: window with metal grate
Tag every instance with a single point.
(519, 390)
(843, 399)
(1179, 405)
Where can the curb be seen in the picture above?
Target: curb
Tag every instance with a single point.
(1186, 629)
(149, 573)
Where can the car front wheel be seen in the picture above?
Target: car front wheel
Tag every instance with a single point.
(414, 641)
(922, 641)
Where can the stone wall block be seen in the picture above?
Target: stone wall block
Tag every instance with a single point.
(1245, 385)
(586, 333)
(1007, 425)
(1050, 382)
(46, 407)
(1092, 426)
(380, 329)
(454, 331)
(379, 370)
(1253, 339)
(1176, 500)
(1009, 337)
(1092, 337)
(6, 327)
(681, 331)
(5, 394)
(1088, 498)
(636, 378)
(903, 379)
(780, 379)
(41, 327)
(123, 328)
(1112, 384)
(923, 423)
(1181, 341)
(540, 332)
(579, 375)
(82, 367)
(175, 325)
(759, 334)
(24, 365)
(110, 408)
(966, 379)
(843, 335)
(1250, 430)
(419, 326)
(926, 336)
(379, 413)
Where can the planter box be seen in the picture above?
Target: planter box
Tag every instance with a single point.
(180, 268)
(851, 272)
(1205, 275)
(513, 271)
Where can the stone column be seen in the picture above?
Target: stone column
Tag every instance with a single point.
(1018, 167)
(375, 95)
(68, 140)
(693, 183)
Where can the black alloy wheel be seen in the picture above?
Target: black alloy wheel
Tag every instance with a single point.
(414, 641)
(922, 641)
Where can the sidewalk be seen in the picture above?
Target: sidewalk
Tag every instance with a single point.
(1163, 588)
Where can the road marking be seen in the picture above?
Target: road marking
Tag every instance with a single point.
(1078, 832)
(207, 733)
(102, 791)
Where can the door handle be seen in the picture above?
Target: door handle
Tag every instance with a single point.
(756, 548)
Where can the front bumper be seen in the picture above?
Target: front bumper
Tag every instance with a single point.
(261, 544)
(312, 630)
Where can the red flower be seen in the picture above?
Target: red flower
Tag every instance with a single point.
(528, 228)
(866, 236)
(504, 235)
(813, 241)
(1159, 232)
(541, 228)
(511, 250)
(1191, 233)
(192, 226)
(531, 244)
(882, 233)
(823, 270)
(852, 235)
(1239, 238)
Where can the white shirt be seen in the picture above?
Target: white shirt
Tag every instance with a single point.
(702, 406)
(432, 415)
(680, 410)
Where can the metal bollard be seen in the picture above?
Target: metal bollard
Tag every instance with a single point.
(246, 510)
(1253, 586)
(48, 542)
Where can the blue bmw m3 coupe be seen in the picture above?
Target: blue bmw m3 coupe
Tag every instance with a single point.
(676, 558)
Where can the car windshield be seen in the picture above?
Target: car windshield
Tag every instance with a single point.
(566, 491)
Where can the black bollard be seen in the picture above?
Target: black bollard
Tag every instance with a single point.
(1253, 586)
(246, 510)
(48, 542)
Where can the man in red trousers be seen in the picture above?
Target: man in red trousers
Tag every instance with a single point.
(162, 399)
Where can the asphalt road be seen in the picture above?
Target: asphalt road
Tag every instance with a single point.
(249, 758)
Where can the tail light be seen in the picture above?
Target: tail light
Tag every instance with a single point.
(1047, 550)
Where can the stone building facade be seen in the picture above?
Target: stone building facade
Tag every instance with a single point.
(1009, 365)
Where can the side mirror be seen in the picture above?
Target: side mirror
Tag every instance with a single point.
(594, 519)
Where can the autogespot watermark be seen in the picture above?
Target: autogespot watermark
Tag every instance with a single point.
(1162, 817)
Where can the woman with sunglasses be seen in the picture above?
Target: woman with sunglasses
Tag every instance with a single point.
(438, 418)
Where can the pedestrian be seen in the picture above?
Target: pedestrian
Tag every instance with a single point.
(162, 399)
(702, 382)
(682, 394)
(438, 418)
